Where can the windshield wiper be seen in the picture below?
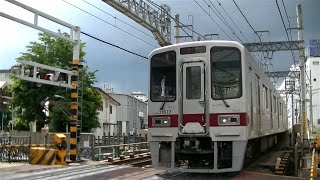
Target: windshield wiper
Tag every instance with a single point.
(163, 103)
(222, 97)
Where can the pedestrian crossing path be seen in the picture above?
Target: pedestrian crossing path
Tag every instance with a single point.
(67, 172)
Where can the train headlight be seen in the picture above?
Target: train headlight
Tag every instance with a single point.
(229, 120)
(161, 121)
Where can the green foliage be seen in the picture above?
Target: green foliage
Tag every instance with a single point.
(28, 95)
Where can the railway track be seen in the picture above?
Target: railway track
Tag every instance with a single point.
(134, 160)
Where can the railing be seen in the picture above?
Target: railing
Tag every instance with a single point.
(112, 139)
(14, 148)
(103, 152)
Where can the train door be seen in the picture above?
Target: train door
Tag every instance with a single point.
(193, 97)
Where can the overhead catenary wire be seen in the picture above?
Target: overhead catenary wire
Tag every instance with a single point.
(222, 19)
(218, 13)
(247, 20)
(285, 10)
(232, 20)
(108, 23)
(213, 20)
(118, 19)
(285, 29)
(116, 46)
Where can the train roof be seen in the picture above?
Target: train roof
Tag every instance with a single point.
(198, 43)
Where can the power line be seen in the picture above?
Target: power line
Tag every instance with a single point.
(247, 20)
(284, 26)
(218, 14)
(222, 19)
(109, 23)
(213, 19)
(232, 20)
(112, 45)
(118, 19)
(285, 29)
(285, 10)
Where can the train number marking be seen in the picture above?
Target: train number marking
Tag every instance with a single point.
(165, 111)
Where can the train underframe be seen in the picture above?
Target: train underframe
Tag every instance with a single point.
(201, 154)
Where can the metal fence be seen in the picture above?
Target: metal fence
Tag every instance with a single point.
(113, 139)
(14, 148)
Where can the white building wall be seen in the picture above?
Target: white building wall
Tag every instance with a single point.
(5, 75)
(102, 119)
(105, 117)
(130, 112)
(313, 64)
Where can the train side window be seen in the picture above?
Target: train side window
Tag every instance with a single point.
(265, 96)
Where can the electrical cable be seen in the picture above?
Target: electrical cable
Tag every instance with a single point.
(109, 23)
(112, 45)
(285, 10)
(232, 21)
(247, 20)
(161, 8)
(222, 19)
(213, 19)
(118, 19)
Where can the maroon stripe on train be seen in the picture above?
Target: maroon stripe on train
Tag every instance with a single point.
(198, 118)
(244, 118)
(173, 120)
(193, 118)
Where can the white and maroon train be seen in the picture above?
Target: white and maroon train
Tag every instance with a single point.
(210, 106)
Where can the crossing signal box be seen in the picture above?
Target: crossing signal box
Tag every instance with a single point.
(43, 74)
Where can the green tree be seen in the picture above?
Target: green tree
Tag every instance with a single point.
(28, 95)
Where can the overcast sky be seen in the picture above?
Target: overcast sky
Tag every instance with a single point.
(127, 73)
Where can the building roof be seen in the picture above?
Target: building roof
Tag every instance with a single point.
(3, 84)
(128, 96)
(5, 71)
(107, 95)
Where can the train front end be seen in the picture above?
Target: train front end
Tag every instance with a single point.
(197, 107)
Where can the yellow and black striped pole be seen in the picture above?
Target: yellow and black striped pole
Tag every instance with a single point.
(74, 95)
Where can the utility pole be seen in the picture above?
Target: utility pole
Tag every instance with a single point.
(292, 119)
(302, 72)
(311, 109)
(303, 82)
(177, 26)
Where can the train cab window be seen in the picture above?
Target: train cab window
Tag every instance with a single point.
(225, 73)
(163, 77)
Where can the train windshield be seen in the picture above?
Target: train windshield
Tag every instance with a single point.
(163, 77)
(225, 73)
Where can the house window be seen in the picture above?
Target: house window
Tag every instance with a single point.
(315, 62)
(110, 109)
(318, 121)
